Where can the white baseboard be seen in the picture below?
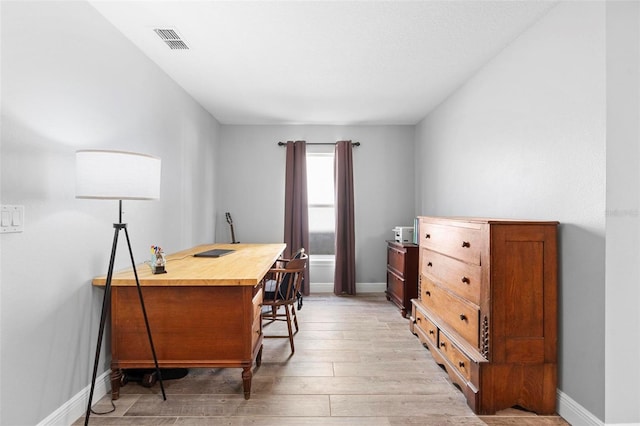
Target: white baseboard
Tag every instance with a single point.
(76, 407)
(360, 288)
(371, 287)
(575, 413)
(321, 288)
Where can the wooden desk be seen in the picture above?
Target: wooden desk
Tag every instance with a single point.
(204, 312)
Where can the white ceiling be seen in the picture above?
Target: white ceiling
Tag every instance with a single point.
(323, 62)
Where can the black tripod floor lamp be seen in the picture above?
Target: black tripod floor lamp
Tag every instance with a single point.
(117, 175)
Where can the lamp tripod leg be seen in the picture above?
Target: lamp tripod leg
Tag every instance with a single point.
(144, 313)
(106, 304)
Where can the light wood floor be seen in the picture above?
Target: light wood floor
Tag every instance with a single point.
(356, 363)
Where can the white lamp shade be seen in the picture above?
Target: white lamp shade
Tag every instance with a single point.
(117, 175)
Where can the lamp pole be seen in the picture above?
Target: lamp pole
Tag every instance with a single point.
(106, 304)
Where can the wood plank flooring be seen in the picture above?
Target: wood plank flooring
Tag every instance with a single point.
(356, 364)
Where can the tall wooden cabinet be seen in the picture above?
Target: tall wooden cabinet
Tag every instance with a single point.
(487, 309)
(402, 274)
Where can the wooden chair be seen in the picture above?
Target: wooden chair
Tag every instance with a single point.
(282, 286)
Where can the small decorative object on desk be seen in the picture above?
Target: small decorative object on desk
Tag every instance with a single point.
(157, 260)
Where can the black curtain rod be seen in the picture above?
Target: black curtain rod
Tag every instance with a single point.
(320, 143)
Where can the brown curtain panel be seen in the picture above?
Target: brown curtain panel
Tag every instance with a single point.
(296, 211)
(345, 273)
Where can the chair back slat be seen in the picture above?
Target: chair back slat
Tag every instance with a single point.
(292, 279)
(288, 281)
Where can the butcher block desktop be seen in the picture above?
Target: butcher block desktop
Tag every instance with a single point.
(204, 312)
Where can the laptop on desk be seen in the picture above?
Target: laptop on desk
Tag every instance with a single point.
(213, 253)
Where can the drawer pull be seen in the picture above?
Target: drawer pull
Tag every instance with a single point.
(427, 236)
(431, 332)
(466, 244)
(428, 293)
(463, 317)
(466, 280)
(442, 344)
(418, 319)
(461, 364)
(429, 264)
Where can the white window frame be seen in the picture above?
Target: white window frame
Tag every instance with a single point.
(322, 151)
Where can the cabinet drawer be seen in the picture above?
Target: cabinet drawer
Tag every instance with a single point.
(395, 285)
(462, 316)
(462, 243)
(257, 303)
(256, 326)
(256, 330)
(395, 259)
(427, 327)
(459, 277)
(457, 358)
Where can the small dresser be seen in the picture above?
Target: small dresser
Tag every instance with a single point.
(402, 274)
(487, 309)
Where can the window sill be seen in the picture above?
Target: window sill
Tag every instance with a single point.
(322, 259)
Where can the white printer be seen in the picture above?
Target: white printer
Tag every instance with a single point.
(403, 234)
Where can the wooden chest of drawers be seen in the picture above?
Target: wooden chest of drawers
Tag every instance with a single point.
(402, 274)
(487, 309)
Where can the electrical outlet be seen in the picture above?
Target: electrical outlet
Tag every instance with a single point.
(12, 219)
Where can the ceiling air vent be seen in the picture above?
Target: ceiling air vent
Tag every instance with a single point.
(171, 38)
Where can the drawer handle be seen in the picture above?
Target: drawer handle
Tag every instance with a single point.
(466, 244)
(463, 317)
(442, 344)
(418, 319)
(428, 236)
(461, 364)
(466, 280)
(429, 264)
(431, 332)
(428, 293)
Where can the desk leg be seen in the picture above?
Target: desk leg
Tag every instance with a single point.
(116, 380)
(246, 381)
(259, 357)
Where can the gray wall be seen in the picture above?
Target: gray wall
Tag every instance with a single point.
(527, 137)
(71, 81)
(622, 283)
(251, 172)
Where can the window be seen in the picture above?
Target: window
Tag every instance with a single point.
(321, 201)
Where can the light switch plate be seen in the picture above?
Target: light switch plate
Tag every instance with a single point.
(12, 219)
